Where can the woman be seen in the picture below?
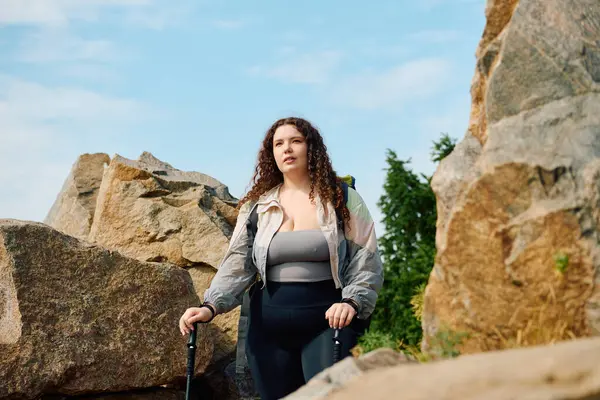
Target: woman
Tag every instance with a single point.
(316, 257)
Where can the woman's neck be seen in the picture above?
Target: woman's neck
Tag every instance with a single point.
(297, 183)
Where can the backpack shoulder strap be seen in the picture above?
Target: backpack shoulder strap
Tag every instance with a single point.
(241, 363)
(345, 189)
(252, 223)
(251, 228)
(338, 213)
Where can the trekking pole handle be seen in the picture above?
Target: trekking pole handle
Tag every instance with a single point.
(191, 359)
(191, 345)
(337, 346)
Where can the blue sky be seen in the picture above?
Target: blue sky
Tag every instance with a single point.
(197, 83)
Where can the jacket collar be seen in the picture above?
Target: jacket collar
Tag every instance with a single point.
(271, 199)
(268, 199)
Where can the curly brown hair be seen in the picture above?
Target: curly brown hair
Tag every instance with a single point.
(323, 178)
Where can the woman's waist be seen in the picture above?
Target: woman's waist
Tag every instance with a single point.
(300, 294)
(300, 271)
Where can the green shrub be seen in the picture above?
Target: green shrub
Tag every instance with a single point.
(407, 247)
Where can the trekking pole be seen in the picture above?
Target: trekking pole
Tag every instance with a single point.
(191, 360)
(337, 346)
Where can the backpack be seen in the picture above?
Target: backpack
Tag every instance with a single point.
(241, 364)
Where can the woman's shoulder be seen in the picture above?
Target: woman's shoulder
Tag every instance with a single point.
(246, 207)
(265, 197)
(356, 205)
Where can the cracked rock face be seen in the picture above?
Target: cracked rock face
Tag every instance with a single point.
(150, 211)
(518, 199)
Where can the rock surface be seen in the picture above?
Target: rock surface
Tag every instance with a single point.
(567, 370)
(76, 318)
(518, 200)
(73, 210)
(150, 211)
(225, 326)
(350, 368)
(145, 394)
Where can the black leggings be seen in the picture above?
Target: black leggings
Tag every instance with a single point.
(289, 340)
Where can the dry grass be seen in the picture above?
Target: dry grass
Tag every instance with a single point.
(545, 329)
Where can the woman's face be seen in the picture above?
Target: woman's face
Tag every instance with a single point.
(290, 150)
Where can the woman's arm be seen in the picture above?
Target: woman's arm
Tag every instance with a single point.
(363, 276)
(232, 279)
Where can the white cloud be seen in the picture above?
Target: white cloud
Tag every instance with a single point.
(162, 14)
(57, 45)
(90, 72)
(58, 12)
(50, 38)
(43, 128)
(431, 4)
(434, 36)
(416, 79)
(31, 102)
(380, 51)
(229, 24)
(30, 184)
(375, 90)
(308, 68)
(405, 46)
(40, 129)
(153, 14)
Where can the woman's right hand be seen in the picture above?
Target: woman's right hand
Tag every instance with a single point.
(191, 315)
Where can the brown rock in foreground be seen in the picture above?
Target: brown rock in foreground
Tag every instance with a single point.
(76, 318)
(145, 394)
(348, 370)
(73, 211)
(567, 370)
(151, 211)
(518, 200)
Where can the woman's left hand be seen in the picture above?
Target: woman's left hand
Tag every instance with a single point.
(340, 315)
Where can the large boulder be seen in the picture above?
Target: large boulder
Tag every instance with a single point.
(519, 198)
(568, 370)
(76, 318)
(75, 205)
(150, 211)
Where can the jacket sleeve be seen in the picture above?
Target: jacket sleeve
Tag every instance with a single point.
(227, 287)
(363, 275)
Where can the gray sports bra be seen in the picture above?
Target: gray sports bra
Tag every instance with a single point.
(298, 256)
